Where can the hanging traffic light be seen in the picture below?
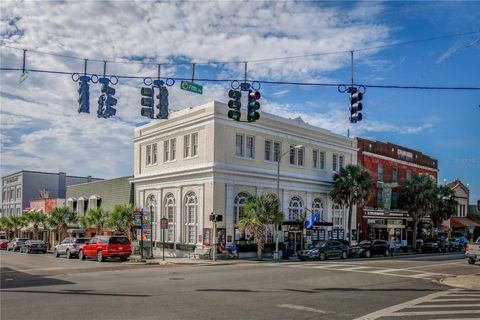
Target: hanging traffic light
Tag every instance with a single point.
(162, 105)
(84, 92)
(253, 106)
(106, 101)
(147, 101)
(234, 104)
(355, 105)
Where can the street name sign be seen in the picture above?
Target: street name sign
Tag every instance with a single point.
(192, 87)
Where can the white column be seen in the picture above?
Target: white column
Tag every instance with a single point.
(308, 205)
(229, 212)
(286, 202)
(158, 215)
(178, 215)
(329, 214)
(259, 191)
(200, 213)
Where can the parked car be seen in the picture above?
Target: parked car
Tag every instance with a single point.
(473, 251)
(69, 247)
(324, 250)
(434, 245)
(34, 246)
(103, 247)
(16, 244)
(4, 244)
(369, 248)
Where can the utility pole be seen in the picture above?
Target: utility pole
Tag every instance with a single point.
(214, 248)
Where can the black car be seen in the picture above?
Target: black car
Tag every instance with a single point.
(434, 245)
(324, 250)
(34, 246)
(368, 248)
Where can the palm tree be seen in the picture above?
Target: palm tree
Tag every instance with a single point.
(62, 217)
(84, 223)
(352, 186)
(98, 218)
(16, 222)
(445, 205)
(259, 211)
(35, 218)
(6, 225)
(419, 198)
(120, 218)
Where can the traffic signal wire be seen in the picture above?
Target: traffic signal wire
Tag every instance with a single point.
(394, 44)
(319, 84)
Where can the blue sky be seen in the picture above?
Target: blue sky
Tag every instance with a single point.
(41, 129)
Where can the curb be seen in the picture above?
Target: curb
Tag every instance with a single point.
(468, 282)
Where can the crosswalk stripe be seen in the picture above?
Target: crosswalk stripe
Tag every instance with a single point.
(427, 313)
(452, 300)
(446, 305)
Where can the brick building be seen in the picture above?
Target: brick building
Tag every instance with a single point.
(391, 166)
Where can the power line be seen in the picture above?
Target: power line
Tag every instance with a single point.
(400, 43)
(260, 81)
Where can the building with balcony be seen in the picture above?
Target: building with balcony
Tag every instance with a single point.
(391, 166)
(200, 162)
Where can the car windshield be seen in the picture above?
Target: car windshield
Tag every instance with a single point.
(316, 245)
(81, 240)
(36, 241)
(118, 240)
(22, 240)
(365, 243)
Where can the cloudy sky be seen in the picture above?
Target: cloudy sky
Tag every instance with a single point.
(42, 130)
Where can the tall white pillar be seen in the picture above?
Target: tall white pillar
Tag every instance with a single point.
(178, 215)
(286, 202)
(200, 214)
(229, 213)
(158, 215)
(308, 205)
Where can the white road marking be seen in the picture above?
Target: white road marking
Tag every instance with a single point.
(427, 313)
(450, 300)
(434, 265)
(445, 305)
(302, 308)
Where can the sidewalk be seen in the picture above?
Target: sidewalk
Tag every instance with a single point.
(471, 281)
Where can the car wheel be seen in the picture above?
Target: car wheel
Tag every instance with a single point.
(344, 255)
(471, 261)
(302, 259)
(55, 253)
(69, 256)
(123, 259)
(81, 256)
(368, 254)
(387, 252)
(322, 256)
(100, 257)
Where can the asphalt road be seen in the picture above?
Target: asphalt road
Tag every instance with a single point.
(42, 287)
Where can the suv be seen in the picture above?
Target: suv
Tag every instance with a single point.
(104, 247)
(69, 247)
(368, 248)
(16, 244)
(323, 250)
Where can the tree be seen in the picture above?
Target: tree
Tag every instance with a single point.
(98, 218)
(419, 198)
(61, 217)
(120, 218)
(352, 186)
(6, 225)
(259, 211)
(445, 205)
(16, 222)
(36, 218)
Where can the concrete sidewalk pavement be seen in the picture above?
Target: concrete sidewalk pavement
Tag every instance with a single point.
(470, 281)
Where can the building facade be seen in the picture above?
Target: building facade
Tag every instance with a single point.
(461, 222)
(21, 187)
(390, 166)
(200, 162)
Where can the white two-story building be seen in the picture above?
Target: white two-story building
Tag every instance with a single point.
(199, 161)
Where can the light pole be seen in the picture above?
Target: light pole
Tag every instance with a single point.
(280, 155)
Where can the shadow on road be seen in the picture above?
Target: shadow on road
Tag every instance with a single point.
(11, 278)
(228, 290)
(84, 293)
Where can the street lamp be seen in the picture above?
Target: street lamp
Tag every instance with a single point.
(280, 155)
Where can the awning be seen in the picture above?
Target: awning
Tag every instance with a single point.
(75, 230)
(292, 223)
(462, 222)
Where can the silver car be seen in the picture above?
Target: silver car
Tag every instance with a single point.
(69, 247)
(16, 244)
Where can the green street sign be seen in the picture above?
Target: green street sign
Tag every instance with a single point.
(192, 87)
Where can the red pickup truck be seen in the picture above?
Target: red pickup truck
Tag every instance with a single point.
(103, 247)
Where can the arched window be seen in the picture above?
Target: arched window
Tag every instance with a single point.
(191, 204)
(150, 203)
(337, 215)
(295, 209)
(169, 213)
(317, 206)
(238, 204)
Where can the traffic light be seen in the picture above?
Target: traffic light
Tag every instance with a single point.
(162, 102)
(355, 105)
(253, 106)
(234, 104)
(147, 101)
(84, 92)
(106, 100)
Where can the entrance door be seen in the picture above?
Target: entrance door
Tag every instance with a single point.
(296, 238)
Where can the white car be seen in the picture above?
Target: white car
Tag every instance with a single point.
(473, 251)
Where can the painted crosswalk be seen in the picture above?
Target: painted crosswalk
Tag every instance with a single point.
(455, 304)
(352, 267)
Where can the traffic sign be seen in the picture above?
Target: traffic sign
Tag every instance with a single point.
(192, 87)
(164, 223)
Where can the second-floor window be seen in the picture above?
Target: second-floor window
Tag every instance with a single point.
(250, 147)
(394, 200)
(297, 156)
(239, 145)
(409, 175)
(169, 149)
(186, 146)
(379, 199)
(151, 154)
(380, 172)
(268, 150)
(319, 159)
(394, 175)
(190, 145)
(315, 158)
(277, 149)
(194, 144)
(335, 162)
(341, 162)
(166, 150)
(245, 146)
